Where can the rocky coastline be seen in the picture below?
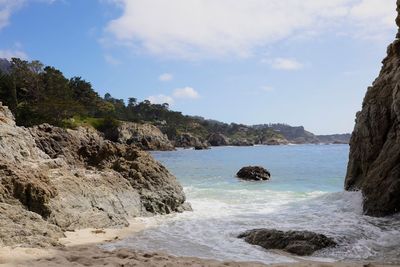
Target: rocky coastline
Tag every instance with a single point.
(374, 161)
(55, 180)
(150, 138)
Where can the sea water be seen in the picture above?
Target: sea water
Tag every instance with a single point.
(304, 193)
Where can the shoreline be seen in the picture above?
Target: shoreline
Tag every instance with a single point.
(81, 248)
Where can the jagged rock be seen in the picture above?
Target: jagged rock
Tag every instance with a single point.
(217, 139)
(302, 243)
(255, 173)
(144, 136)
(62, 179)
(374, 164)
(187, 140)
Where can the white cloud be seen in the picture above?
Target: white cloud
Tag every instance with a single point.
(166, 77)
(8, 54)
(161, 99)
(179, 93)
(111, 60)
(210, 28)
(377, 15)
(7, 7)
(286, 64)
(186, 93)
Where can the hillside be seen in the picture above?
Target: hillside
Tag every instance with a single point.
(37, 94)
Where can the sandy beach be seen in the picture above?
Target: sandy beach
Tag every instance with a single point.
(81, 248)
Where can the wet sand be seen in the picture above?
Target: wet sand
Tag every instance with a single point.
(81, 249)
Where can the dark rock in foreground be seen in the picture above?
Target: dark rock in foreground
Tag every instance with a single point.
(374, 164)
(302, 243)
(255, 173)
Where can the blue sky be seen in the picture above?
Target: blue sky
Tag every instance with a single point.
(301, 62)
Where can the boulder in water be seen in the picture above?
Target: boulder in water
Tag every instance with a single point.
(255, 173)
(302, 243)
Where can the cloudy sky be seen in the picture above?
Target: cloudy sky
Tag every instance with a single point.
(301, 62)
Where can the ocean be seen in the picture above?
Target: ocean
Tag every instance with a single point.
(304, 193)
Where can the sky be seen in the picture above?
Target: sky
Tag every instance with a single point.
(300, 62)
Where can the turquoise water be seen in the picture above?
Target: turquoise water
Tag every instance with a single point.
(305, 193)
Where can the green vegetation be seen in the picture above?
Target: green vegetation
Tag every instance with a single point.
(37, 94)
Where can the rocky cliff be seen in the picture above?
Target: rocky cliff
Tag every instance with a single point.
(144, 136)
(187, 140)
(374, 164)
(52, 180)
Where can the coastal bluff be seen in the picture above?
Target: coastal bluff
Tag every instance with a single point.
(54, 180)
(374, 163)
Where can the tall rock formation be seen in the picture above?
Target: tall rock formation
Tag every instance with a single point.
(53, 179)
(374, 164)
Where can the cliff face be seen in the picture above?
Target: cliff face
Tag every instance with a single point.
(52, 180)
(144, 136)
(296, 135)
(374, 164)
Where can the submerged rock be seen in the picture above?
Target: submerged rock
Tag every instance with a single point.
(53, 179)
(374, 163)
(302, 243)
(255, 173)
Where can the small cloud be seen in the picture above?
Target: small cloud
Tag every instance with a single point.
(10, 53)
(166, 77)
(286, 64)
(187, 92)
(267, 88)
(161, 99)
(111, 60)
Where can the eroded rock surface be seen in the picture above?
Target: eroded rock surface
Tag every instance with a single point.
(187, 140)
(217, 139)
(144, 136)
(53, 179)
(374, 164)
(302, 243)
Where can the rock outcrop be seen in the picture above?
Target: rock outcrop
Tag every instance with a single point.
(374, 163)
(53, 179)
(302, 243)
(254, 173)
(241, 142)
(145, 136)
(295, 135)
(187, 140)
(217, 139)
